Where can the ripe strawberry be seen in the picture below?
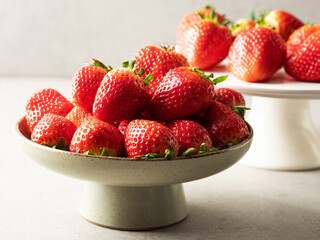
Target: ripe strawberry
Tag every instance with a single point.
(191, 136)
(304, 63)
(242, 25)
(256, 54)
(123, 126)
(224, 125)
(182, 93)
(192, 17)
(204, 43)
(158, 61)
(78, 115)
(148, 139)
(53, 131)
(299, 36)
(86, 82)
(233, 99)
(95, 137)
(122, 95)
(43, 102)
(283, 22)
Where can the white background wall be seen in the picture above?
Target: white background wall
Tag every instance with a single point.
(54, 38)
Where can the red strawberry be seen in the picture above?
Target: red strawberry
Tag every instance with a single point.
(205, 42)
(224, 125)
(233, 99)
(43, 102)
(191, 136)
(123, 126)
(182, 93)
(86, 82)
(242, 25)
(256, 54)
(53, 131)
(192, 17)
(122, 95)
(147, 139)
(158, 61)
(299, 36)
(78, 115)
(283, 22)
(304, 63)
(95, 137)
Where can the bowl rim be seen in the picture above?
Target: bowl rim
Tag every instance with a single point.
(179, 158)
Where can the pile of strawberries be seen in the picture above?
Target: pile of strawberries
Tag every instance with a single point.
(155, 106)
(256, 47)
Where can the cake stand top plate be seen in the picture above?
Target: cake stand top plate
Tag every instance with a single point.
(280, 85)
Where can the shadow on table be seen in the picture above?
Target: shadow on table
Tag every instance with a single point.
(226, 219)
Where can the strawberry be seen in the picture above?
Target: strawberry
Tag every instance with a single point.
(192, 17)
(233, 99)
(256, 54)
(96, 137)
(123, 126)
(224, 125)
(78, 115)
(299, 36)
(122, 95)
(191, 136)
(53, 131)
(182, 93)
(149, 139)
(86, 82)
(158, 61)
(304, 63)
(204, 43)
(46, 101)
(283, 22)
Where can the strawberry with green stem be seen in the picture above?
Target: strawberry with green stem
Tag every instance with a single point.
(95, 137)
(182, 93)
(157, 61)
(233, 99)
(224, 125)
(149, 139)
(205, 43)
(256, 54)
(85, 84)
(195, 16)
(123, 94)
(43, 102)
(192, 137)
(53, 131)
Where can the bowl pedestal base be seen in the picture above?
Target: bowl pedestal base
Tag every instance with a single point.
(133, 208)
(285, 137)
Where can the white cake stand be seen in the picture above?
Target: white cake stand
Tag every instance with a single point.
(285, 137)
(128, 194)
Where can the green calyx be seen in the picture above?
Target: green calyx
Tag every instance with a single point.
(104, 152)
(97, 63)
(168, 154)
(61, 144)
(213, 16)
(209, 77)
(137, 71)
(260, 19)
(203, 149)
(240, 110)
(167, 47)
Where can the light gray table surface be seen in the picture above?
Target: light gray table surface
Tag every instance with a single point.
(239, 203)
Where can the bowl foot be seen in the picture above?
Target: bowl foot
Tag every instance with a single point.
(285, 137)
(133, 208)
